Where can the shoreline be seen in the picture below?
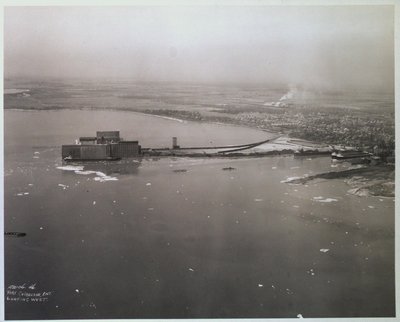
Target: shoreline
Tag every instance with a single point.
(279, 145)
(376, 181)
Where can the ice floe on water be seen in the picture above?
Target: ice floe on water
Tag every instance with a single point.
(16, 91)
(321, 199)
(71, 168)
(85, 173)
(290, 179)
(23, 194)
(100, 176)
(360, 192)
(328, 200)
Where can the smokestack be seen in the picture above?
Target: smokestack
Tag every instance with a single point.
(175, 143)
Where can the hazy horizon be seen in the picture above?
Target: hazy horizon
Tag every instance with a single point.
(341, 47)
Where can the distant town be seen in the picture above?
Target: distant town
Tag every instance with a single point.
(368, 130)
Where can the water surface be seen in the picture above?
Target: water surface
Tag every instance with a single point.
(205, 243)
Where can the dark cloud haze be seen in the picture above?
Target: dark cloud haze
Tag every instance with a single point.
(327, 47)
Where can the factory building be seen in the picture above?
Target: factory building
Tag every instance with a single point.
(87, 140)
(107, 145)
(107, 137)
(86, 152)
(71, 151)
(125, 149)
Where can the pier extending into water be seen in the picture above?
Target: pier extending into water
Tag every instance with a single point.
(109, 146)
(215, 151)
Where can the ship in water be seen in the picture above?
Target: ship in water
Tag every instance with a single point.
(350, 154)
(312, 152)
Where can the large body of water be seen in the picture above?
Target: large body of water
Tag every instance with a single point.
(206, 243)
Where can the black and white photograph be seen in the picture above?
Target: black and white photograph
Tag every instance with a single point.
(188, 161)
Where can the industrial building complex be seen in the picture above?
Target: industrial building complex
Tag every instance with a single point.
(106, 145)
(109, 146)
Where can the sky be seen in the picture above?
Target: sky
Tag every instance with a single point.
(332, 47)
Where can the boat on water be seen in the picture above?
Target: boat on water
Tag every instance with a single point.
(349, 154)
(71, 159)
(304, 153)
